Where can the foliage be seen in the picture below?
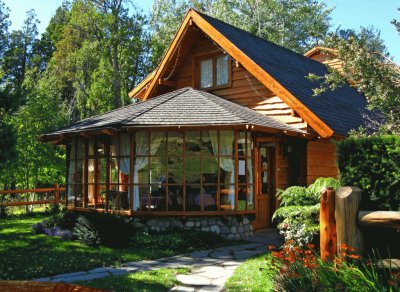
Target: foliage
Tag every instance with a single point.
(253, 275)
(373, 164)
(301, 268)
(27, 256)
(298, 216)
(86, 232)
(367, 64)
(158, 280)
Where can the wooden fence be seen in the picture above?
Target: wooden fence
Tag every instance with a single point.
(341, 219)
(53, 196)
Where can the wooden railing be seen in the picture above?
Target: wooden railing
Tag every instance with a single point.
(16, 201)
(341, 219)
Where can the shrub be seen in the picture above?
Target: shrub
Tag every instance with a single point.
(372, 164)
(301, 269)
(298, 216)
(86, 232)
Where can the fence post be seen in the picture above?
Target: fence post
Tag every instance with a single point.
(56, 193)
(327, 221)
(347, 204)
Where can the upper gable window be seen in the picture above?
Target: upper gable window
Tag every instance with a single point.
(214, 72)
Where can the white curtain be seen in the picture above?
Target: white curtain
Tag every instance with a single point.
(226, 163)
(206, 73)
(222, 70)
(142, 148)
(71, 171)
(124, 150)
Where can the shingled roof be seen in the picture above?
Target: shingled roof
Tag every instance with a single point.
(182, 107)
(340, 109)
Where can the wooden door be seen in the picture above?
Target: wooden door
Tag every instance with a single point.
(265, 181)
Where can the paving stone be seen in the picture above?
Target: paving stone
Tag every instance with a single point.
(199, 254)
(246, 254)
(100, 270)
(86, 277)
(221, 255)
(41, 280)
(193, 280)
(69, 275)
(211, 270)
(183, 289)
(231, 263)
(210, 288)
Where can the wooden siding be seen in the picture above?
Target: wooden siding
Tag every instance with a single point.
(321, 160)
(327, 59)
(245, 89)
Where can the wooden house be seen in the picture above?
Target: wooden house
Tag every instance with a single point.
(225, 120)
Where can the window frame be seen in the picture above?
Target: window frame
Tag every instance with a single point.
(213, 56)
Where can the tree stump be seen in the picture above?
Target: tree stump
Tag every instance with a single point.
(347, 204)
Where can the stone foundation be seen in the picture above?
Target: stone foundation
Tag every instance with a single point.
(231, 227)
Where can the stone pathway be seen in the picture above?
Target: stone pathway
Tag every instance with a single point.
(210, 268)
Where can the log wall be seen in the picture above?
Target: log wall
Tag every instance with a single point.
(321, 160)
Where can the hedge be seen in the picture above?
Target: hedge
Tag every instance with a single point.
(372, 164)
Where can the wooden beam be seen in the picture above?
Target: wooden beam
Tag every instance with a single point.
(168, 83)
(388, 219)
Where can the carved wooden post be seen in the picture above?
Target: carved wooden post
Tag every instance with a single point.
(327, 225)
(56, 193)
(347, 204)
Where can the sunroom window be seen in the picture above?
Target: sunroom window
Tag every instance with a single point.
(214, 72)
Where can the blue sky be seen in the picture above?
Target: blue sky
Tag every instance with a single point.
(347, 14)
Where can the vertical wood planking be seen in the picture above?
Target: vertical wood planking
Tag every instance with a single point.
(328, 237)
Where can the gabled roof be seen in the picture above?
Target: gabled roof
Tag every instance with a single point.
(281, 70)
(182, 107)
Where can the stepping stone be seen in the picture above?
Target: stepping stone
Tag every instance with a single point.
(86, 277)
(193, 280)
(183, 289)
(69, 275)
(199, 254)
(246, 254)
(232, 263)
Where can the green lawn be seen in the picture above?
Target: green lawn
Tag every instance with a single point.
(253, 275)
(157, 280)
(26, 256)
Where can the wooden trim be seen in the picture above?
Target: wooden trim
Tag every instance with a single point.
(142, 85)
(86, 174)
(44, 190)
(167, 214)
(132, 170)
(168, 83)
(236, 159)
(170, 52)
(213, 55)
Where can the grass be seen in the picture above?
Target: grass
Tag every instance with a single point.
(253, 275)
(25, 256)
(157, 280)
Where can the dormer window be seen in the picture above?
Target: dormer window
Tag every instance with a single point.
(214, 72)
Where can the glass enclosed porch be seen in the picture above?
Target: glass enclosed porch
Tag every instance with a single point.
(163, 172)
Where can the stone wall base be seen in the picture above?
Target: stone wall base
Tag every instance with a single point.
(231, 227)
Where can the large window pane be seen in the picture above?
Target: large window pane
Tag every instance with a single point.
(175, 198)
(210, 169)
(157, 197)
(158, 170)
(175, 170)
(222, 68)
(193, 197)
(206, 73)
(210, 197)
(158, 144)
(175, 143)
(192, 143)
(192, 167)
(227, 197)
(241, 144)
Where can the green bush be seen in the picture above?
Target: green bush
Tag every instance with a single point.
(372, 164)
(86, 232)
(298, 216)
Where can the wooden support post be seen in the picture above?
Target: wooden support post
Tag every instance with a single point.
(56, 193)
(347, 204)
(327, 221)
